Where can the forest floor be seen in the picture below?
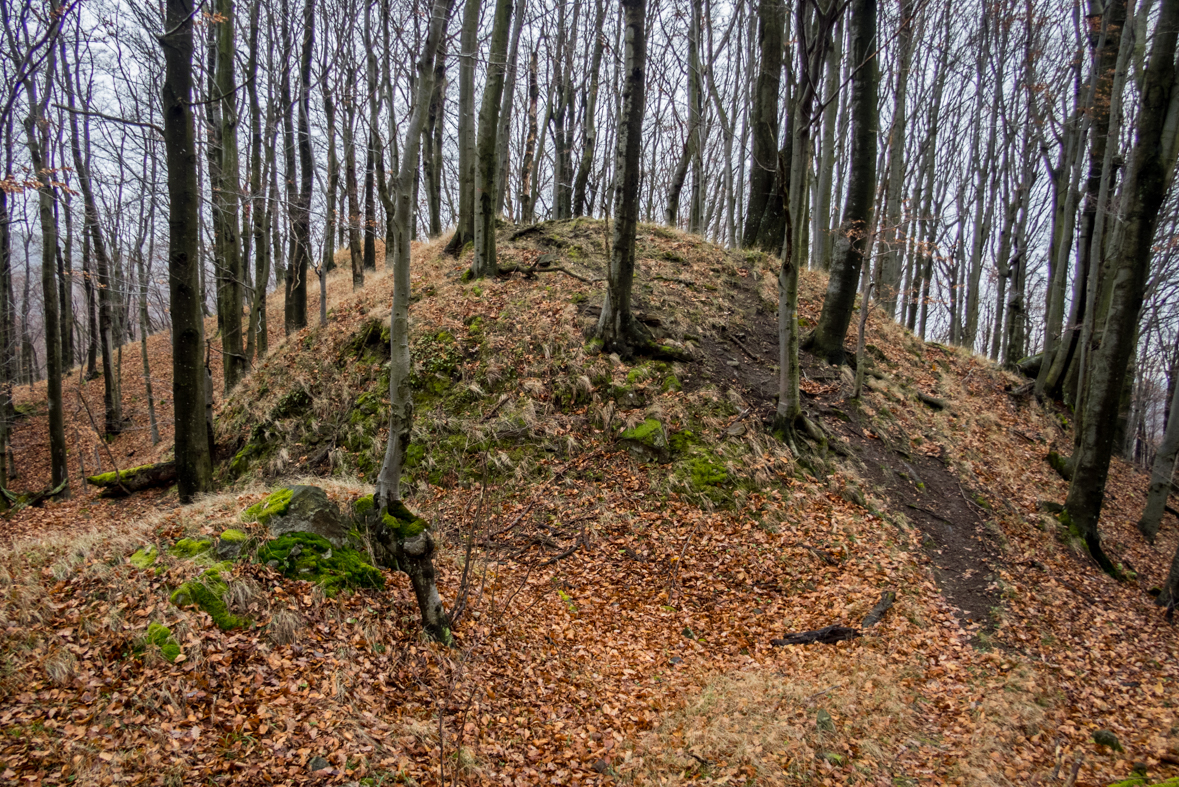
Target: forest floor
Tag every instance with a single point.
(621, 625)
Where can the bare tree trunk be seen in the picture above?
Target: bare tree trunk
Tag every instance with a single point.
(296, 280)
(112, 396)
(889, 281)
(414, 546)
(486, 173)
(617, 328)
(527, 206)
(589, 128)
(188, 377)
(852, 241)
(765, 118)
(469, 49)
(225, 201)
(258, 210)
(1151, 168)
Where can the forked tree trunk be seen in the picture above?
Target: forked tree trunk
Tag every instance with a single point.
(852, 240)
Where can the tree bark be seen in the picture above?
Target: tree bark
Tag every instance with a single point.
(1152, 165)
(852, 241)
(486, 173)
(464, 232)
(418, 548)
(617, 328)
(194, 465)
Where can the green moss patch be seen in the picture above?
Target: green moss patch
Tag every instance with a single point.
(145, 557)
(235, 536)
(705, 473)
(191, 547)
(161, 636)
(403, 522)
(363, 505)
(112, 478)
(274, 504)
(207, 592)
(311, 557)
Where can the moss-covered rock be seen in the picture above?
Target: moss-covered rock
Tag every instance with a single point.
(145, 557)
(189, 548)
(300, 509)
(648, 439)
(705, 472)
(161, 637)
(233, 535)
(292, 403)
(230, 544)
(311, 557)
(207, 592)
(274, 504)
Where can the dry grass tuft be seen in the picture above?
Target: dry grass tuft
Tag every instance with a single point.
(284, 627)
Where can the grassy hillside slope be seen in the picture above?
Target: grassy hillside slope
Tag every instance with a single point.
(635, 541)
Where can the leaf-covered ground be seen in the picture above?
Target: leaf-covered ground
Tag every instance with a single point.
(622, 598)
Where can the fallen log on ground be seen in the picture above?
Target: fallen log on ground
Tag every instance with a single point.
(118, 483)
(829, 635)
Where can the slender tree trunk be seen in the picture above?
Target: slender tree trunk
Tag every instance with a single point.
(526, 202)
(852, 241)
(415, 550)
(351, 186)
(112, 397)
(256, 344)
(589, 127)
(225, 201)
(432, 144)
(765, 119)
(469, 45)
(485, 162)
(889, 282)
(37, 136)
(617, 328)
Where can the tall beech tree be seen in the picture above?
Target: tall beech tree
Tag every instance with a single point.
(111, 382)
(37, 138)
(225, 187)
(486, 161)
(853, 240)
(464, 232)
(1151, 167)
(617, 328)
(193, 459)
(410, 541)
